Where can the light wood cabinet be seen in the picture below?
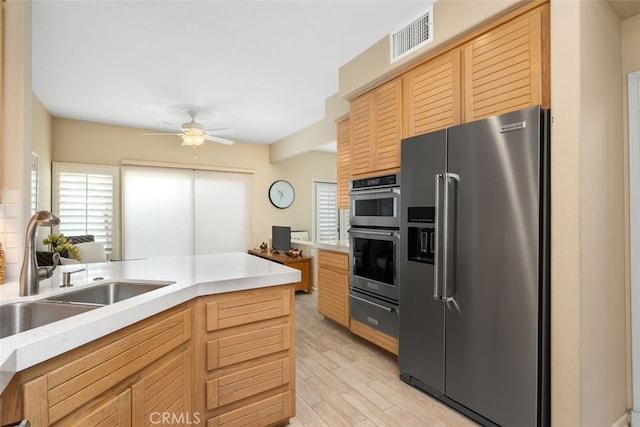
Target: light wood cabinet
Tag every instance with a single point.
(115, 412)
(507, 68)
(344, 161)
(224, 360)
(376, 129)
(432, 93)
(164, 392)
(501, 67)
(121, 379)
(378, 338)
(245, 361)
(333, 285)
(302, 263)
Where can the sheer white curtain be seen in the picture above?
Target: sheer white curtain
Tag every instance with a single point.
(172, 212)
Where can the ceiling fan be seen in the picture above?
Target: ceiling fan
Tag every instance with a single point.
(194, 134)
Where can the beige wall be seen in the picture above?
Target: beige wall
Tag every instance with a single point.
(630, 63)
(319, 133)
(588, 233)
(17, 139)
(42, 146)
(77, 141)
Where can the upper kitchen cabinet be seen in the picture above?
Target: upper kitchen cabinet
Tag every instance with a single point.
(507, 68)
(376, 129)
(344, 159)
(432, 94)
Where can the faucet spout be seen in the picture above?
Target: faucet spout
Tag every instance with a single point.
(31, 274)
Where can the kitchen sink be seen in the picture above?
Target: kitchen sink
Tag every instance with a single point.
(21, 316)
(107, 293)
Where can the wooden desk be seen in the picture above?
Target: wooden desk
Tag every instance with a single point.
(301, 263)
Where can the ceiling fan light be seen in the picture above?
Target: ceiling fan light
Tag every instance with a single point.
(192, 140)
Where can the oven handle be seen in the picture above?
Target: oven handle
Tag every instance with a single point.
(375, 190)
(372, 232)
(389, 310)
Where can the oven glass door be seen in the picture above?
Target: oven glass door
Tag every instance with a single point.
(374, 262)
(375, 209)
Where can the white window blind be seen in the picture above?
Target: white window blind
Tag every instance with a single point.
(86, 200)
(326, 211)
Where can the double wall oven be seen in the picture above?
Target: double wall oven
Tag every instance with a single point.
(374, 243)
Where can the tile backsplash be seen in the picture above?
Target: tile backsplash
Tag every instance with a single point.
(10, 233)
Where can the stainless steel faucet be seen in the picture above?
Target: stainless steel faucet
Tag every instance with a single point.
(31, 274)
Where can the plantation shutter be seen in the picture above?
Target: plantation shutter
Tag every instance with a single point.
(326, 212)
(85, 202)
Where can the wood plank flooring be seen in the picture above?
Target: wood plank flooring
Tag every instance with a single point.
(342, 380)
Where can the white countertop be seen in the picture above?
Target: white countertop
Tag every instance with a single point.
(336, 245)
(192, 276)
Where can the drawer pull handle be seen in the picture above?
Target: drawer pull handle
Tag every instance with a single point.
(387, 309)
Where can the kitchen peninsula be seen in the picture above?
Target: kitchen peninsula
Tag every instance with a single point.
(216, 346)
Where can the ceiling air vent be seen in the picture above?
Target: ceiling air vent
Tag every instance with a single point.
(413, 36)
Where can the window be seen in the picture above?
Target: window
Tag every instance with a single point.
(176, 212)
(85, 197)
(326, 224)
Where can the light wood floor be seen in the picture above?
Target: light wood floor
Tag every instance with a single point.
(342, 380)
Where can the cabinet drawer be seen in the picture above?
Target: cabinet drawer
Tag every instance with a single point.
(335, 260)
(375, 315)
(249, 382)
(242, 347)
(234, 311)
(264, 412)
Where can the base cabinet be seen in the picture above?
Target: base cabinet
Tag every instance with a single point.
(109, 379)
(246, 359)
(333, 286)
(223, 360)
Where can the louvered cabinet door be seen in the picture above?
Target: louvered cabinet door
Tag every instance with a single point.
(164, 392)
(344, 157)
(361, 133)
(432, 94)
(388, 125)
(333, 286)
(507, 68)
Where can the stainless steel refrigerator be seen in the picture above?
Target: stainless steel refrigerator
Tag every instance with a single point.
(474, 267)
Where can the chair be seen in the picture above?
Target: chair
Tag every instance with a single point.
(91, 252)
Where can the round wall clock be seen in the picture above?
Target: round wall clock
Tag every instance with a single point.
(281, 194)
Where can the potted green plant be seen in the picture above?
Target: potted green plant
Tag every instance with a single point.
(59, 243)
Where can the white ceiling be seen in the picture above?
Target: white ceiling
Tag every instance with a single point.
(261, 68)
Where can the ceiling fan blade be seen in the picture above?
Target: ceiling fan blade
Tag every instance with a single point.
(220, 140)
(164, 133)
(219, 131)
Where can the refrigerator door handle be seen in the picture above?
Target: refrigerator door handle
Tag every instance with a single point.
(450, 188)
(436, 260)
